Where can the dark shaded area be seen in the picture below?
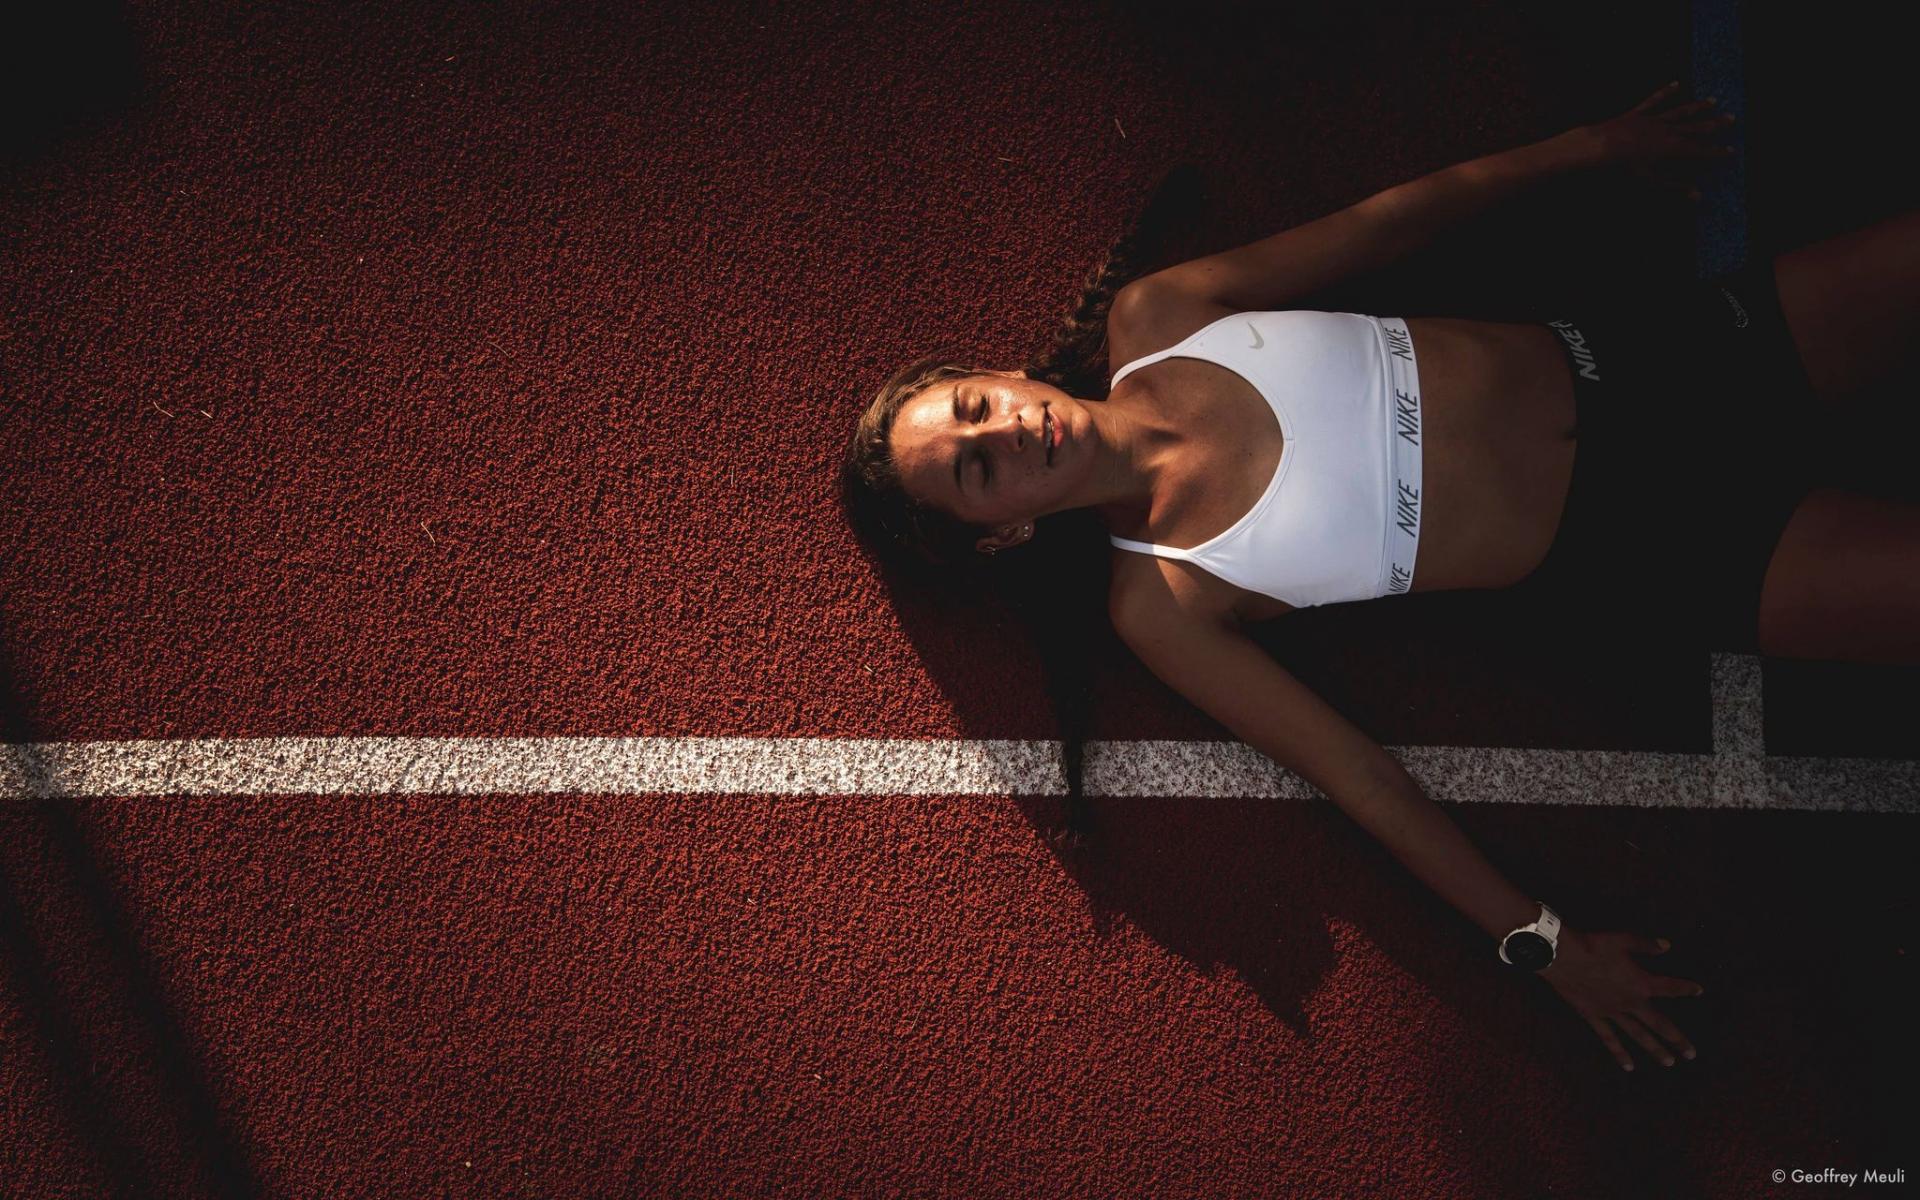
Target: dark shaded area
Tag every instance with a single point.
(1831, 110)
(85, 1108)
(64, 68)
(1799, 925)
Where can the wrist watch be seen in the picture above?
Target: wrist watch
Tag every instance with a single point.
(1532, 947)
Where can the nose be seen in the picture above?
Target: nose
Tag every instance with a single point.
(1010, 430)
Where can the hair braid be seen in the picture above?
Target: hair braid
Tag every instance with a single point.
(1072, 362)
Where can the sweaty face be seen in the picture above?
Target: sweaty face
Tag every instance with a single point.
(993, 449)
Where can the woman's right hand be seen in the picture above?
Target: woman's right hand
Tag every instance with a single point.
(1660, 139)
(1596, 973)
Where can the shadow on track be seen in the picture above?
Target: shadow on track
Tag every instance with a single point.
(116, 1052)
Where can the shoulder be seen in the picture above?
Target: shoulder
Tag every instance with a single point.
(1152, 313)
(1150, 596)
(1157, 597)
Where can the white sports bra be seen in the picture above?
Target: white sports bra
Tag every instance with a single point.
(1340, 520)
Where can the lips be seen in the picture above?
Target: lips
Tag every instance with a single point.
(1046, 432)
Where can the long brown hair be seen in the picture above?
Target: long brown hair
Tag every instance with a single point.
(1071, 565)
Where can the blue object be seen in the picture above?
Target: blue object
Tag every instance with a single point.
(1718, 70)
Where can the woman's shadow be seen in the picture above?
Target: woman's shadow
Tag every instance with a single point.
(1214, 882)
(1255, 887)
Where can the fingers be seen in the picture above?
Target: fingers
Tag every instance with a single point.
(1658, 97)
(1613, 1045)
(1642, 1025)
(1639, 1033)
(1615, 996)
(1667, 985)
(1699, 120)
(1655, 1020)
(1691, 108)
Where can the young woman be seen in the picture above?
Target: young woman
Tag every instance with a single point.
(1249, 460)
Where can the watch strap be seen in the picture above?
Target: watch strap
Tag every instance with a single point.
(1548, 926)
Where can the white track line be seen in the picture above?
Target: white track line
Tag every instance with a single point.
(1736, 775)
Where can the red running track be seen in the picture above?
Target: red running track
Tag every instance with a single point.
(481, 373)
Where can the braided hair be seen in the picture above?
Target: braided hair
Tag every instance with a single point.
(1071, 568)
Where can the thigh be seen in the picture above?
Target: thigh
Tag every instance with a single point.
(1844, 581)
(1852, 303)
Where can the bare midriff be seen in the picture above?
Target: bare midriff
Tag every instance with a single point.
(1498, 414)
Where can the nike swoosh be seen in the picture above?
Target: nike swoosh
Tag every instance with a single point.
(1258, 341)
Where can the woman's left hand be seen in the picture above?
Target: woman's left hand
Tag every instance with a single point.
(1596, 973)
(1661, 139)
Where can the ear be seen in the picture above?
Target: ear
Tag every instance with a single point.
(1005, 537)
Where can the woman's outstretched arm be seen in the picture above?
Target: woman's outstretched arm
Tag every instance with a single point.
(1278, 271)
(1214, 664)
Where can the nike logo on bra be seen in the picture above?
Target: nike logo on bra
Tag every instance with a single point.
(1258, 341)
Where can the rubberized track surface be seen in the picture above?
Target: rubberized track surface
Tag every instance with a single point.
(413, 374)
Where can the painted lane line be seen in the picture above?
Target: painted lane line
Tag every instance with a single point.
(641, 766)
(1497, 775)
(491, 766)
(1737, 774)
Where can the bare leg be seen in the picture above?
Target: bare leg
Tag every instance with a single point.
(1853, 305)
(1844, 581)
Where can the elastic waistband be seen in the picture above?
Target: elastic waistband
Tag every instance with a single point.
(1586, 368)
(1403, 461)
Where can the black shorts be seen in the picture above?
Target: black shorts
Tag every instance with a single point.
(1691, 402)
